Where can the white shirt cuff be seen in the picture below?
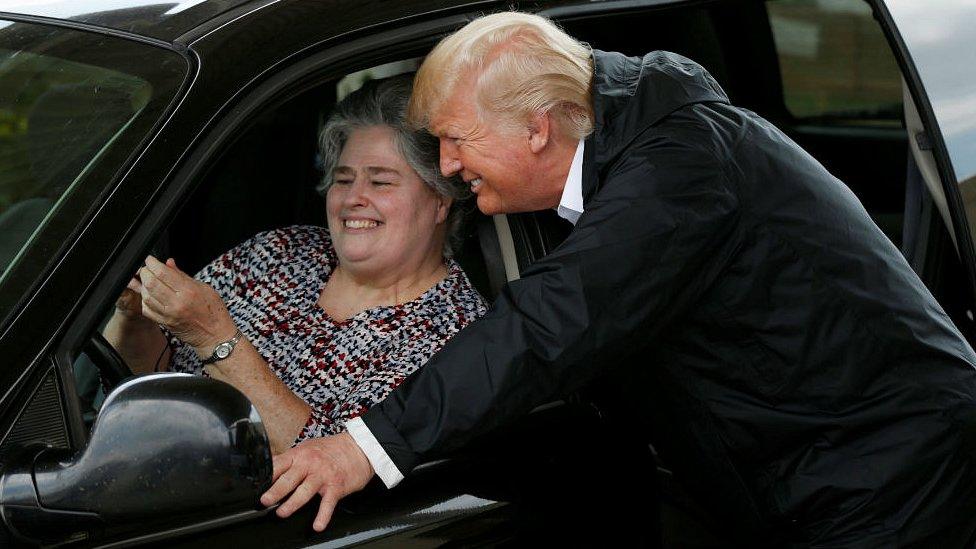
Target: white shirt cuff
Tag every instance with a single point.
(382, 464)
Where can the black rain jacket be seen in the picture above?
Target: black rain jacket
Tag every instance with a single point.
(796, 372)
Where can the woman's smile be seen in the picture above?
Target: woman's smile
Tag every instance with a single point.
(360, 225)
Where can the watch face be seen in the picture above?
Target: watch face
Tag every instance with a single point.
(223, 350)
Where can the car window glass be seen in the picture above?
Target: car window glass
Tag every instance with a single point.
(57, 115)
(66, 98)
(835, 63)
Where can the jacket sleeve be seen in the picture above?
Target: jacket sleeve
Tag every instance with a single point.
(651, 240)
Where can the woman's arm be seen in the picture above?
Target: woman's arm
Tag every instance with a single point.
(283, 412)
(192, 311)
(136, 338)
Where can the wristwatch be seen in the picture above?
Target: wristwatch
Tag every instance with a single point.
(224, 349)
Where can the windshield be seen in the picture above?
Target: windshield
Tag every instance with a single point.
(67, 100)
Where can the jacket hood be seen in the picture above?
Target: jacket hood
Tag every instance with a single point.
(631, 94)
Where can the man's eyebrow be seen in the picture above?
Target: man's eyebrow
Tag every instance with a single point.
(344, 170)
(443, 129)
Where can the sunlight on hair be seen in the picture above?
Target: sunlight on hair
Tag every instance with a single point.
(524, 65)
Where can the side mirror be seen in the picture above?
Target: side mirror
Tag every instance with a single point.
(164, 447)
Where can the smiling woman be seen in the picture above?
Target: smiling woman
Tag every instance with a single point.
(387, 225)
(313, 325)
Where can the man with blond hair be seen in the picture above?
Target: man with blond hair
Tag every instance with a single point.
(798, 376)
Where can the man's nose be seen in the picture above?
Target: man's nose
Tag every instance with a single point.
(450, 164)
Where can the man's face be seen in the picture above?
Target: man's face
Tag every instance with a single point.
(495, 159)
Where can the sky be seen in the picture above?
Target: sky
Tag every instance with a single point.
(940, 37)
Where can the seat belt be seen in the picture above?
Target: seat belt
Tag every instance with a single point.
(490, 240)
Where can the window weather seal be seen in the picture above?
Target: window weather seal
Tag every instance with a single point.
(88, 27)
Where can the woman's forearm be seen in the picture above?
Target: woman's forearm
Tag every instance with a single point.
(195, 313)
(284, 414)
(139, 341)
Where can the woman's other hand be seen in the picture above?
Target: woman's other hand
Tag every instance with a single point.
(136, 337)
(129, 304)
(191, 310)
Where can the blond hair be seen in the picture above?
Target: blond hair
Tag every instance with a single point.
(524, 65)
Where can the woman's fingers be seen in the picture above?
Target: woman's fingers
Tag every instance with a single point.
(166, 284)
(167, 274)
(152, 310)
(153, 285)
(171, 263)
(154, 304)
(135, 285)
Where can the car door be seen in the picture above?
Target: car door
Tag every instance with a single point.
(935, 50)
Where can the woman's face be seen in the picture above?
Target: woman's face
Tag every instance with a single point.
(383, 218)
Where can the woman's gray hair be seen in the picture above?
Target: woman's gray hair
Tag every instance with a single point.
(384, 103)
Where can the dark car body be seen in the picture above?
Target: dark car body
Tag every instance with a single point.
(225, 147)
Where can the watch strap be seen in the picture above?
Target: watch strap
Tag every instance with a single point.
(223, 349)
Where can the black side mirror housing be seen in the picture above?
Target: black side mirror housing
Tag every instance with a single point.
(163, 447)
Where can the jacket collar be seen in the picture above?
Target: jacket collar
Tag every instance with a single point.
(630, 94)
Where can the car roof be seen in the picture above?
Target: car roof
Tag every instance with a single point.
(162, 19)
(169, 19)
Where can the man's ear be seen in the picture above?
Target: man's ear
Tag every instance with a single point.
(540, 126)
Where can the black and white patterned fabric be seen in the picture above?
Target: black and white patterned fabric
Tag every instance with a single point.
(271, 285)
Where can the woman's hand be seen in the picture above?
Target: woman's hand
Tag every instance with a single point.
(188, 308)
(193, 312)
(134, 336)
(129, 304)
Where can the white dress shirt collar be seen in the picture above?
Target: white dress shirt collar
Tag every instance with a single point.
(571, 203)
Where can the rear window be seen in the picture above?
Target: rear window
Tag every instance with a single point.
(68, 98)
(835, 62)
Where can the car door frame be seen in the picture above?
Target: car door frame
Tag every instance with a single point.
(935, 141)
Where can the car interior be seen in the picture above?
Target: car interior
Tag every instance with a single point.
(775, 58)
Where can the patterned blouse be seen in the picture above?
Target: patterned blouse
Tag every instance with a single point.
(271, 286)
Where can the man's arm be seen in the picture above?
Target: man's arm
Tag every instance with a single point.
(651, 241)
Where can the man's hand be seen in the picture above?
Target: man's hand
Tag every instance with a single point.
(332, 467)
